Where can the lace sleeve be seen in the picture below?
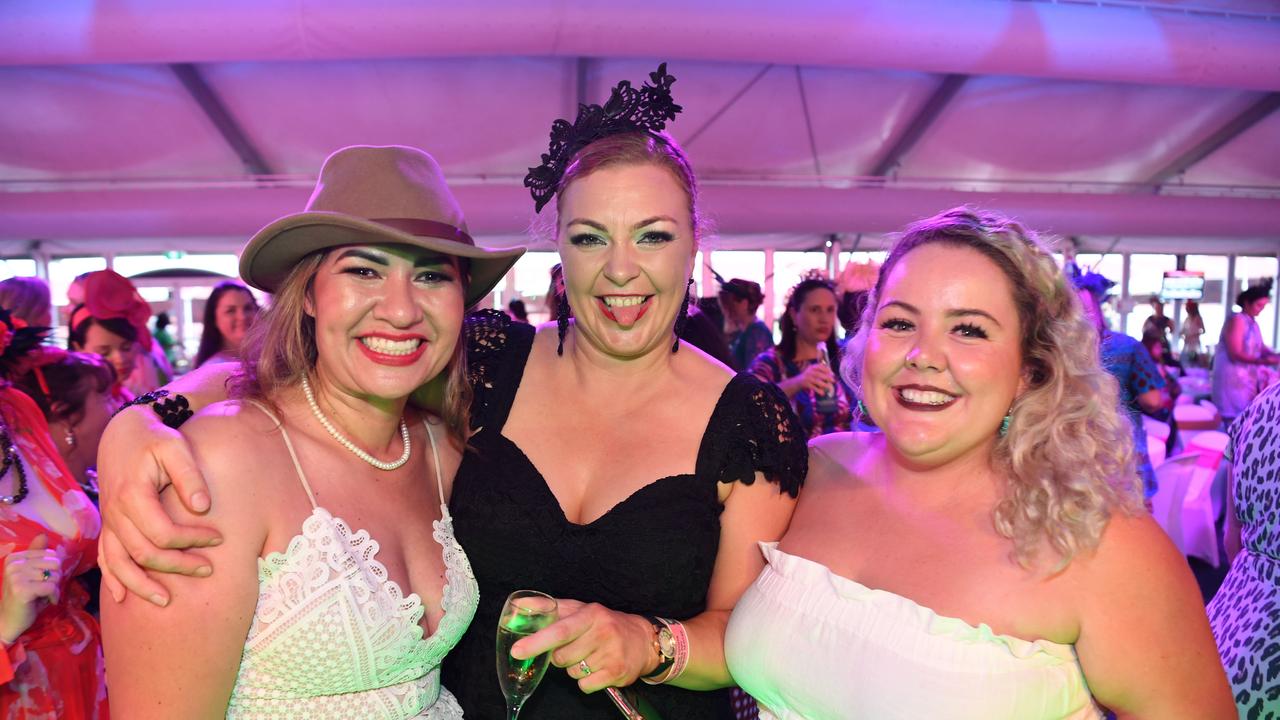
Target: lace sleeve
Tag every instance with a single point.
(757, 431)
(486, 334)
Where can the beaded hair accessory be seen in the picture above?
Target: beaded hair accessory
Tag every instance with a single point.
(628, 109)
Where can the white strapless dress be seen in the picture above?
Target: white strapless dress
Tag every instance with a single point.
(811, 645)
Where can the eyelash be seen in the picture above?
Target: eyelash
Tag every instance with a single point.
(429, 276)
(653, 237)
(967, 329)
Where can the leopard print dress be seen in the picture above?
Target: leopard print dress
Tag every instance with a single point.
(1245, 614)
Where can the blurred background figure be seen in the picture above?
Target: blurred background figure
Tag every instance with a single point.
(1192, 330)
(700, 331)
(1243, 612)
(803, 363)
(73, 392)
(1242, 364)
(745, 334)
(111, 322)
(27, 298)
(557, 304)
(51, 664)
(228, 313)
(1160, 326)
(1142, 386)
(517, 311)
(1156, 349)
(168, 345)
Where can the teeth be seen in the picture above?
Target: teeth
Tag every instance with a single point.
(925, 397)
(391, 347)
(623, 300)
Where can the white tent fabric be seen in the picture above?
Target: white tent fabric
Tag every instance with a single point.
(1147, 126)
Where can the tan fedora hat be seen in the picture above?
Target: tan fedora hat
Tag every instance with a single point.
(392, 195)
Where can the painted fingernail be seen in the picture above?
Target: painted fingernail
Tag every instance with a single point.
(160, 600)
(200, 502)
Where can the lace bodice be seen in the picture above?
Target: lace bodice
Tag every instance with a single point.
(333, 637)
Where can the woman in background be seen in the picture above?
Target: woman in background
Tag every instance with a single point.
(112, 323)
(1243, 612)
(803, 364)
(27, 298)
(51, 664)
(746, 334)
(1243, 365)
(228, 313)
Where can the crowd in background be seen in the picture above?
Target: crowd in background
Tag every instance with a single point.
(56, 404)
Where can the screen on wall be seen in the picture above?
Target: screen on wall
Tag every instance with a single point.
(1182, 285)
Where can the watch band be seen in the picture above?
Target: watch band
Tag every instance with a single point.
(664, 661)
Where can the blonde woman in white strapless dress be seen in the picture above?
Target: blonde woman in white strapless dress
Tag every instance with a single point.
(946, 569)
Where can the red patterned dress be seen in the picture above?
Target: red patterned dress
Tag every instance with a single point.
(54, 670)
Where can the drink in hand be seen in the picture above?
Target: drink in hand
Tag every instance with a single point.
(525, 613)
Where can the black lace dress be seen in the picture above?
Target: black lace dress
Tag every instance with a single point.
(651, 554)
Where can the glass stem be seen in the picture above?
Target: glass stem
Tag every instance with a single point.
(513, 710)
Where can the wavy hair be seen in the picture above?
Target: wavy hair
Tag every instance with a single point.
(1068, 456)
(280, 349)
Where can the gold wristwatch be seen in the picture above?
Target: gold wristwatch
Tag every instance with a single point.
(664, 644)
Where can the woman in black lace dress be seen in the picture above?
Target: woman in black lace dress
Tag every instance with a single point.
(612, 466)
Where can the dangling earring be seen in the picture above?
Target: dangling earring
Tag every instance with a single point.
(862, 410)
(562, 321)
(1004, 424)
(70, 438)
(682, 317)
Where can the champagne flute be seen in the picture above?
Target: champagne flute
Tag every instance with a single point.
(525, 613)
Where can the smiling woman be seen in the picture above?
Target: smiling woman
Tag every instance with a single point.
(989, 546)
(365, 312)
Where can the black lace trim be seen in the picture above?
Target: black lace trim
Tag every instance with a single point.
(489, 335)
(755, 431)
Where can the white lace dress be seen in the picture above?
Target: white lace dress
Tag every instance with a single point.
(334, 638)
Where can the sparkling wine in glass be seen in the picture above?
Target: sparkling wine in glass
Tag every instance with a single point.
(525, 613)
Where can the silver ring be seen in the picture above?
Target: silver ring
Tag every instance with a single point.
(584, 667)
(46, 574)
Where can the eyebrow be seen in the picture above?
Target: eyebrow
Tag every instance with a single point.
(379, 259)
(955, 312)
(637, 226)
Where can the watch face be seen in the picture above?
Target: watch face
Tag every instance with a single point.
(666, 643)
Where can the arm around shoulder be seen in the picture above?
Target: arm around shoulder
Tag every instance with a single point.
(1145, 644)
(182, 660)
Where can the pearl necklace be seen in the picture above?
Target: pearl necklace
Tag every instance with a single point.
(404, 433)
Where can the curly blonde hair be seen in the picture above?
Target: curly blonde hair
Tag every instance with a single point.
(1068, 455)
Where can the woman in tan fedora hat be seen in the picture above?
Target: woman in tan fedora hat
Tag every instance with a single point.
(614, 467)
(340, 586)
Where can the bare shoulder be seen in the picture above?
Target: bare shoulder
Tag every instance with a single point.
(834, 459)
(1133, 547)
(235, 445)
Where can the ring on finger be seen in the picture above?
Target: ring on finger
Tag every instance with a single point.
(584, 667)
(46, 575)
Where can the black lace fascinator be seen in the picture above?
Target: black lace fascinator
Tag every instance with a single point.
(628, 109)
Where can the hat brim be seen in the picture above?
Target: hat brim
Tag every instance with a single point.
(271, 254)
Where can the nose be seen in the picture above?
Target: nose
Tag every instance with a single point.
(397, 305)
(925, 354)
(621, 266)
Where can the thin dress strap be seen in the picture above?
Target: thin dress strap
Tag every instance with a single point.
(293, 455)
(435, 456)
